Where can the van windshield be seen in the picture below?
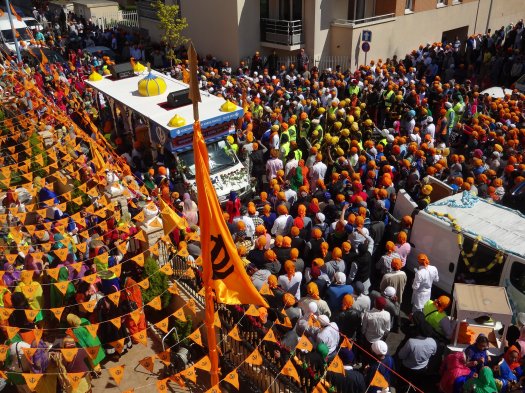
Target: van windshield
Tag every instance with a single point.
(221, 157)
(23, 35)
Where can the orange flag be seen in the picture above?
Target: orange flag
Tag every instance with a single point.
(135, 315)
(270, 336)
(337, 365)
(90, 306)
(31, 314)
(147, 363)
(346, 343)
(3, 352)
(114, 297)
(179, 314)
(379, 381)
(117, 373)
(304, 344)
(139, 259)
(224, 271)
(32, 380)
(117, 269)
(234, 333)
(141, 337)
(69, 353)
(29, 353)
(204, 364)
(144, 284)
(92, 352)
(173, 289)
(140, 236)
(118, 345)
(117, 322)
(75, 379)
(38, 334)
(170, 219)
(92, 329)
(44, 58)
(196, 337)
(319, 388)
(289, 370)
(233, 378)
(189, 373)
(214, 389)
(162, 385)
(255, 358)
(5, 313)
(265, 290)
(167, 269)
(164, 324)
(165, 357)
(155, 303)
(252, 311)
(62, 286)
(11, 331)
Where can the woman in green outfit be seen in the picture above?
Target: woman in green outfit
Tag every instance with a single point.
(484, 383)
(85, 339)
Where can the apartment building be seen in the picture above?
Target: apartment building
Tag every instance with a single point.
(235, 29)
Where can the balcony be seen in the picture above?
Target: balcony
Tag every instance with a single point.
(282, 34)
(365, 21)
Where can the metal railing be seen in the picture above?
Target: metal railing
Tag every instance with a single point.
(282, 32)
(121, 19)
(321, 62)
(355, 22)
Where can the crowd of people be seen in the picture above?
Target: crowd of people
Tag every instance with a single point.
(329, 150)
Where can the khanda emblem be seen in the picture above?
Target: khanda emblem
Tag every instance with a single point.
(221, 263)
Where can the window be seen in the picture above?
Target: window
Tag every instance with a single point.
(265, 9)
(517, 276)
(409, 5)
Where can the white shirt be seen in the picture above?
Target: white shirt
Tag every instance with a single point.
(422, 285)
(330, 336)
(319, 171)
(375, 324)
(286, 283)
(279, 226)
(293, 163)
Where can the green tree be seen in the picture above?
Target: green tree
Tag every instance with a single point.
(158, 282)
(172, 24)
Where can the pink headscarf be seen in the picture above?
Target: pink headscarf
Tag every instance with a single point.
(454, 366)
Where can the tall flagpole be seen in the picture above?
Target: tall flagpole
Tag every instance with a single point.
(209, 319)
(10, 14)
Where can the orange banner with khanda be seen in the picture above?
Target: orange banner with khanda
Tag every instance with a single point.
(224, 271)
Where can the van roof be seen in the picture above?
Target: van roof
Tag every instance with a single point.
(5, 24)
(499, 226)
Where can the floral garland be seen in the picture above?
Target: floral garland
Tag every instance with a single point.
(498, 258)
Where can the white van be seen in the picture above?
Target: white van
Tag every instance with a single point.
(6, 33)
(500, 255)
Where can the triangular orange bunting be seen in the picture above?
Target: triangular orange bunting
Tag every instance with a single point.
(117, 322)
(163, 325)
(29, 291)
(92, 352)
(289, 370)
(174, 290)
(233, 378)
(155, 303)
(139, 259)
(117, 269)
(38, 334)
(32, 380)
(117, 373)
(196, 337)
(144, 284)
(62, 286)
(5, 313)
(57, 312)
(123, 247)
(11, 331)
(162, 385)
(255, 358)
(252, 311)
(147, 363)
(90, 306)
(270, 336)
(82, 247)
(379, 381)
(165, 357)
(234, 333)
(69, 353)
(77, 266)
(265, 290)
(75, 379)
(90, 279)
(53, 273)
(141, 337)
(140, 236)
(92, 329)
(61, 253)
(179, 314)
(204, 364)
(29, 353)
(214, 389)
(337, 366)
(319, 388)
(135, 315)
(304, 344)
(347, 343)
(118, 345)
(114, 297)
(189, 373)
(192, 306)
(166, 269)
(3, 352)
(31, 314)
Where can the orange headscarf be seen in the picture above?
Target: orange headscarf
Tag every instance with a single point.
(289, 268)
(312, 290)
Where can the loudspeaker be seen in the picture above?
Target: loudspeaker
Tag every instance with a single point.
(122, 71)
(179, 98)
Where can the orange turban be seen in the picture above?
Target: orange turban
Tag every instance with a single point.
(346, 246)
(396, 264)
(348, 302)
(294, 253)
(272, 281)
(337, 253)
(312, 290)
(402, 237)
(422, 259)
(270, 255)
(390, 246)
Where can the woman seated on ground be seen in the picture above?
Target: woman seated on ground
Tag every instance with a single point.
(509, 370)
(454, 373)
(476, 353)
(484, 383)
